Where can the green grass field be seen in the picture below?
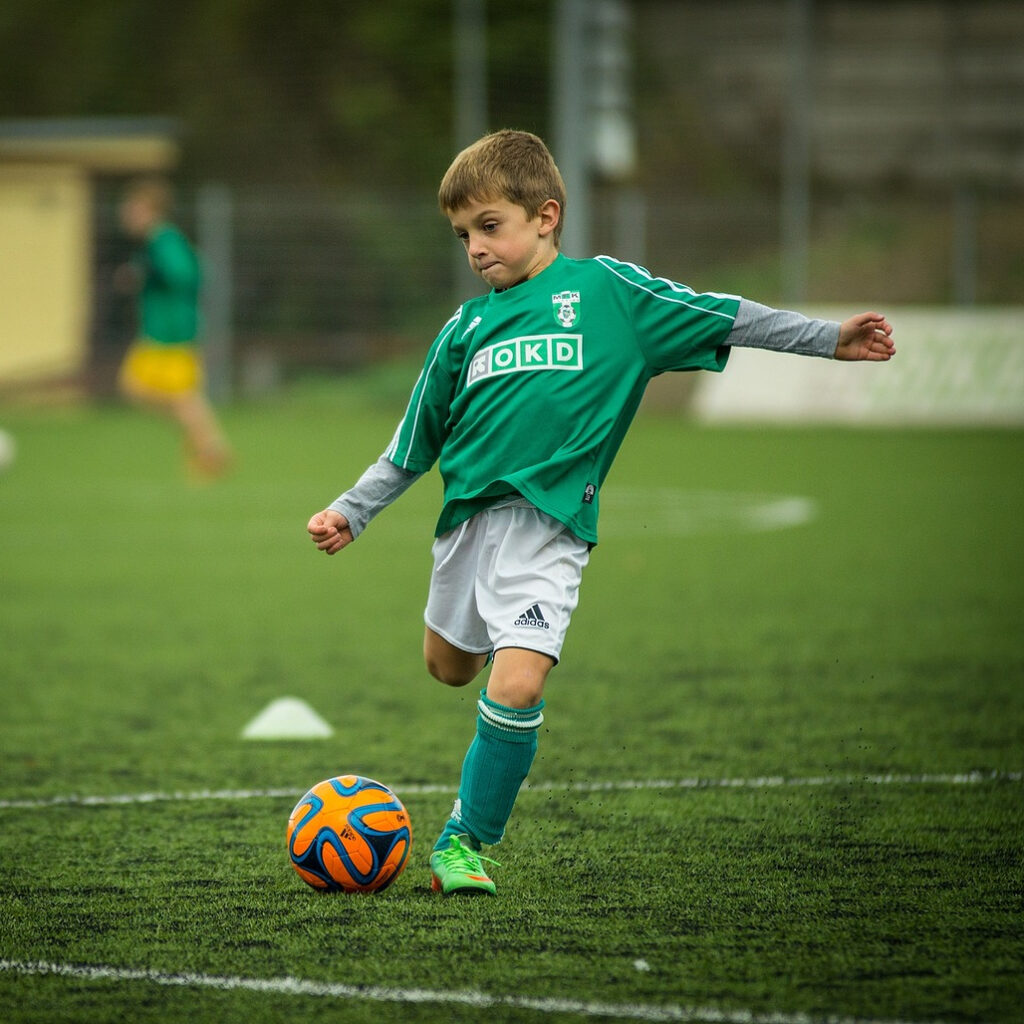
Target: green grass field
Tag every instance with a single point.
(785, 718)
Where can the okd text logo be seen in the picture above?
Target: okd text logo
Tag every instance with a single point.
(519, 355)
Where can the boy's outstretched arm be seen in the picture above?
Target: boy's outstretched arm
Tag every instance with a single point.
(865, 336)
(330, 531)
(345, 518)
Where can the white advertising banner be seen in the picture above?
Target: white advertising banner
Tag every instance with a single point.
(952, 366)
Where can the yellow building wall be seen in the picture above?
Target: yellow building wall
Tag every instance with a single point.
(45, 245)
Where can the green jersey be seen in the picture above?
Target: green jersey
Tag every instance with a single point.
(169, 299)
(531, 390)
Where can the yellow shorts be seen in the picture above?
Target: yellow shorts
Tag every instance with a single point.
(150, 368)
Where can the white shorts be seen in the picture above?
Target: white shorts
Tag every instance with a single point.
(507, 577)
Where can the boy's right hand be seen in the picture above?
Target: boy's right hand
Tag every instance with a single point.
(330, 531)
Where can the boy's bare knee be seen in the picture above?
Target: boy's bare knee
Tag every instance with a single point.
(452, 678)
(448, 664)
(448, 675)
(518, 677)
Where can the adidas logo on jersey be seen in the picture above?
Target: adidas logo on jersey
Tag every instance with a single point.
(533, 617)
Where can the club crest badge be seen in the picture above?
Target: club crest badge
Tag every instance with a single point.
(566, 307)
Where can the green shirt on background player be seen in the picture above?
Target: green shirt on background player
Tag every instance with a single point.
(169, 294)
(524, 399)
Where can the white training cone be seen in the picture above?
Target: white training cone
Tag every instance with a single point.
(287, 718)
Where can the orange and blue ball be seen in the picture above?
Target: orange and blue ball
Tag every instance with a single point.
(349, 834)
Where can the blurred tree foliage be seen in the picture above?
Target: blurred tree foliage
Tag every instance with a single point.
(323, 91)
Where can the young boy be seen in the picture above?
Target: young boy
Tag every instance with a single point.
(163, 368)
(524, 399)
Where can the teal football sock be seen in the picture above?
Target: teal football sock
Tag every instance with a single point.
(497, 762)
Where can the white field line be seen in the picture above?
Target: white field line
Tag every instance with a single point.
(609, 786)
(478, 1000)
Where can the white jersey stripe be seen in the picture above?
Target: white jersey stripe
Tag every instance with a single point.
(607, 262)
(421, 386)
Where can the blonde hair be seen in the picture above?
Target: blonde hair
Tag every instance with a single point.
(511, 165)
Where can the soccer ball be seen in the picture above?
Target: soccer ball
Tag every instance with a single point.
(349, 834)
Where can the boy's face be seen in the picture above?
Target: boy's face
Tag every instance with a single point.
(503, 244)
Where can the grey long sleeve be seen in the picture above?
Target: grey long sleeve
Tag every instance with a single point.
(377, 488)
(780, 330)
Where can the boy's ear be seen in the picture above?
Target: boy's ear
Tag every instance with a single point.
(550, 213)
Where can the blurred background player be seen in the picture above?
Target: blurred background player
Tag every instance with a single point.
(163, 368)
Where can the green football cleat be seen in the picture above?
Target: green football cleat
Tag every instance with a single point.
(459, 869)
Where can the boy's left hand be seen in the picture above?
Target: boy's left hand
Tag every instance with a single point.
(865, 336)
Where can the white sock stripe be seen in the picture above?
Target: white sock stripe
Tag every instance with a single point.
(512, 724)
